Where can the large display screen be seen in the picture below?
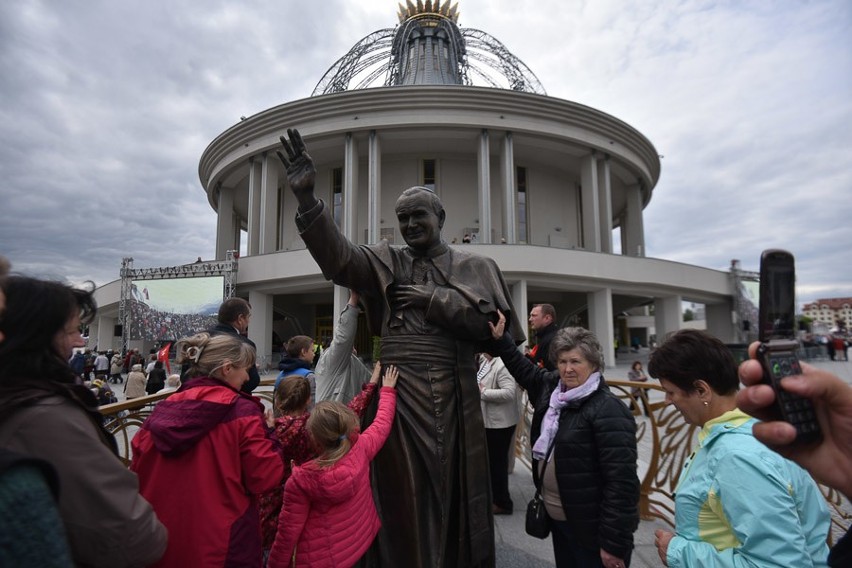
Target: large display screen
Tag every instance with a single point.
(173, 308)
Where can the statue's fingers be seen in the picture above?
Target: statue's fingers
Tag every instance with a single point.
(288, 148)
(298, 143)
(283, 159)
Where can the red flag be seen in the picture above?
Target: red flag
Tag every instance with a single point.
(163, 355)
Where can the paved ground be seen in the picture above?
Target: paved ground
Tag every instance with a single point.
(515, 548)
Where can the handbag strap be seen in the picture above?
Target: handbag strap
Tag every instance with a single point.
(543, 467)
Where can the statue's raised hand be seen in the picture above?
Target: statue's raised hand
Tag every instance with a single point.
(301, 173)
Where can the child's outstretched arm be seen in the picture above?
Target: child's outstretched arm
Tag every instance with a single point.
(359, 404)
(375, 435)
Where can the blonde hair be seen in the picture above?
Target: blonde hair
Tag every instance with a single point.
(207, 353)
(330, 425)
(291, 395)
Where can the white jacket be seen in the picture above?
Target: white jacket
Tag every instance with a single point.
(499, 396)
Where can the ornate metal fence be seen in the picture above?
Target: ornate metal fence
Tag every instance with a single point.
(664, 441)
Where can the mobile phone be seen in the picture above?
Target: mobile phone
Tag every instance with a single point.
(778, 345)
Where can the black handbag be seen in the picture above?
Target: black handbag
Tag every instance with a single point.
(538, 525)
(537, 522)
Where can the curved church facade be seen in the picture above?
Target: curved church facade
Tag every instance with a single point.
(552, 190)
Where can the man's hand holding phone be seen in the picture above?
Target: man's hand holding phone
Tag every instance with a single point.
(777, 351)
(829, 460)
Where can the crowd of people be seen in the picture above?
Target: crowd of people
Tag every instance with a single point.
(149, 324)
(217, 479)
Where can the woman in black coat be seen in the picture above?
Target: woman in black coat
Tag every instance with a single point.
(156, 379)
(589, 485)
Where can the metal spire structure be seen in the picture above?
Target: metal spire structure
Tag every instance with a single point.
(428, 48)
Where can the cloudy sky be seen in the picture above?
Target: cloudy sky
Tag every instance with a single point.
(108, 105)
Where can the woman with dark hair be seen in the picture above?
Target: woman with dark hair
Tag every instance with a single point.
(737, 503)
(587, 451)
(43, 414)
(637, 375)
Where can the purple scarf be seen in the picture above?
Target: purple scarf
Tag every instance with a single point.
(558, 400)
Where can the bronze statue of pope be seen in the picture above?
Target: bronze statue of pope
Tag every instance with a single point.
(431, 304)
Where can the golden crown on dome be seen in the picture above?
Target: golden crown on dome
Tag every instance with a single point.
(427, 9)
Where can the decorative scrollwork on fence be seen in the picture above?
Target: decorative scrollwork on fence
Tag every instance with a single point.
(664, 440)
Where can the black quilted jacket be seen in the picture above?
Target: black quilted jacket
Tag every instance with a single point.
(595, 458)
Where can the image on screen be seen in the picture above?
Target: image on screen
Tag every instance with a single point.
(169, 309)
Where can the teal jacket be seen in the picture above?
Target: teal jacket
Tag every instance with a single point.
(740, 504)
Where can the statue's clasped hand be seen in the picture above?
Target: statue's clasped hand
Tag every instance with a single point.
(403, 296)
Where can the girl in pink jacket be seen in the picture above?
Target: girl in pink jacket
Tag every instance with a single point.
(329, 518)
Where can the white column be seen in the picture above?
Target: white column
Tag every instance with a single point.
(720, 321)
(519, 302)
(225, 222)
(374, 189)
(260, 327)
(605, 189)
(484, 163)
(591, 204)
(601, 324)
(255, 173)
(268, 204)
(667, 316)
(105, 336)
(238, 232)
(349, 227)
(510, 201)
(350, 188)
(633, 229)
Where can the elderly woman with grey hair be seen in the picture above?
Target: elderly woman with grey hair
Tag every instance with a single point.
(587, 451)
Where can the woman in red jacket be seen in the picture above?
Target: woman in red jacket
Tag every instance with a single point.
(329, 518)
(204, 455)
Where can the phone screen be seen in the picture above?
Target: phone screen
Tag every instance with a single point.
(777, 296)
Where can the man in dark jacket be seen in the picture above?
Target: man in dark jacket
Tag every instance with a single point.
(234, 316)
(543, 323)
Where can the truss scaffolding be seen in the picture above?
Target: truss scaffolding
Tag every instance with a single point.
(226, 268)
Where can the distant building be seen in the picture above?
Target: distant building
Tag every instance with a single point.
(829, 311)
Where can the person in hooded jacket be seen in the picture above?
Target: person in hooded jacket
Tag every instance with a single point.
(329, 517)
(205, 454)
(298, 361)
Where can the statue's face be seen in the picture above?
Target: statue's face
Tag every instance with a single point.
(419, 224)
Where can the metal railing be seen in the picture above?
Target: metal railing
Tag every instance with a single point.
(664, 441)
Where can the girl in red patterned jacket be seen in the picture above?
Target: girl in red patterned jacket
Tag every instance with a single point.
(292, 398)
(329, 518)
(205, 454)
